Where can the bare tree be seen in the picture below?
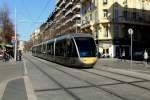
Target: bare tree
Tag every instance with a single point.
(6, 25)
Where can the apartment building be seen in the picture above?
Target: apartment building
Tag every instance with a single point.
(64, 19)
(35, 37)
(109, 21)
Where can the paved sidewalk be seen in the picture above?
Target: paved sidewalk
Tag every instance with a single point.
(12, 85)
(15, 90)
(138, 66)
(10, 70)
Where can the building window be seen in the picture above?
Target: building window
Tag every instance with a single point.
(105, 31)
(116, 31)
(105, 13)
(134, 15)
(116, 13)
(125, 14)
(105, 1)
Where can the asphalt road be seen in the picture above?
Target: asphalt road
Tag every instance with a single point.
(52, 81)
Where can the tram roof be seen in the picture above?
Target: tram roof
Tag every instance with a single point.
(70, 35)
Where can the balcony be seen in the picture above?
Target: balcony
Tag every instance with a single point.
(57, 8)
(77, 23)
(76, 16)
(85, 23)
(58, 3)
(76, 7)
(104, 20)
(68, 21)
(63, 10)
(62, 4)
(69, 12)
(130, 20)
(69, 5)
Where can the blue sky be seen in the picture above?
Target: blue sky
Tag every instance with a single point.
(30, 14)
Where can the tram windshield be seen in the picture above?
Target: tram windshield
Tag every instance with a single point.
(86, 46)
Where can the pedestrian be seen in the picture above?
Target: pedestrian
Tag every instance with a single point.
(146, 57)
(123, 56)
(5, 56)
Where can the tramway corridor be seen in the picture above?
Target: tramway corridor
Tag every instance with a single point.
(52, 81)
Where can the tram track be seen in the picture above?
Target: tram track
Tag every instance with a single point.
(120, 74)
(100, 86)
(53, 79)
(92, 85)
(131, 83)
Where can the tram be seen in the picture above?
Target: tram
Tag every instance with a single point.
(77, 50)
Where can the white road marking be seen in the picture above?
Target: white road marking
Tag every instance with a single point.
(25, 72)
(28, 85)
(29, 89)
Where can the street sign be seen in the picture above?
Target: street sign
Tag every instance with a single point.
(130, 31)
(13, 37)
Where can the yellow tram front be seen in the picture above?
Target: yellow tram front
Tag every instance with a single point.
(87, 50)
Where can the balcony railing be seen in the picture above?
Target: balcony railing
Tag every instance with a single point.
(76, 16)
(69, 4)
(68, 12)
(137, 20)
(77, 23)
(62, 4)
(68, 20)
(76, 7)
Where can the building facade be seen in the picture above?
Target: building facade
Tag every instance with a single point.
(109, 21)
(64, 19)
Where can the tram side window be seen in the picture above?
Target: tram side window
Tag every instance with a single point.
(71, 49)
(50, 49)
(60, 48)
(44, 48)
(39, 49)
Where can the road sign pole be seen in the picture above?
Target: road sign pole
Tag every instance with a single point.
(15, 53)
(131, 51)
(130, 31)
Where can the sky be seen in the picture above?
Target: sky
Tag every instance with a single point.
(30, 14)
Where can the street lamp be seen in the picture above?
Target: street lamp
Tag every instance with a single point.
(130, 31)
(15, 53)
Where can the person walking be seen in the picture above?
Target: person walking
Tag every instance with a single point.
(123, 56)
(5, 56)
(146, 57)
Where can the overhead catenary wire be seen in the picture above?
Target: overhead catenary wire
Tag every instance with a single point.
(36, 22)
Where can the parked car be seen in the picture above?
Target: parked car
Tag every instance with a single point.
(138, 55)
(105, 55)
